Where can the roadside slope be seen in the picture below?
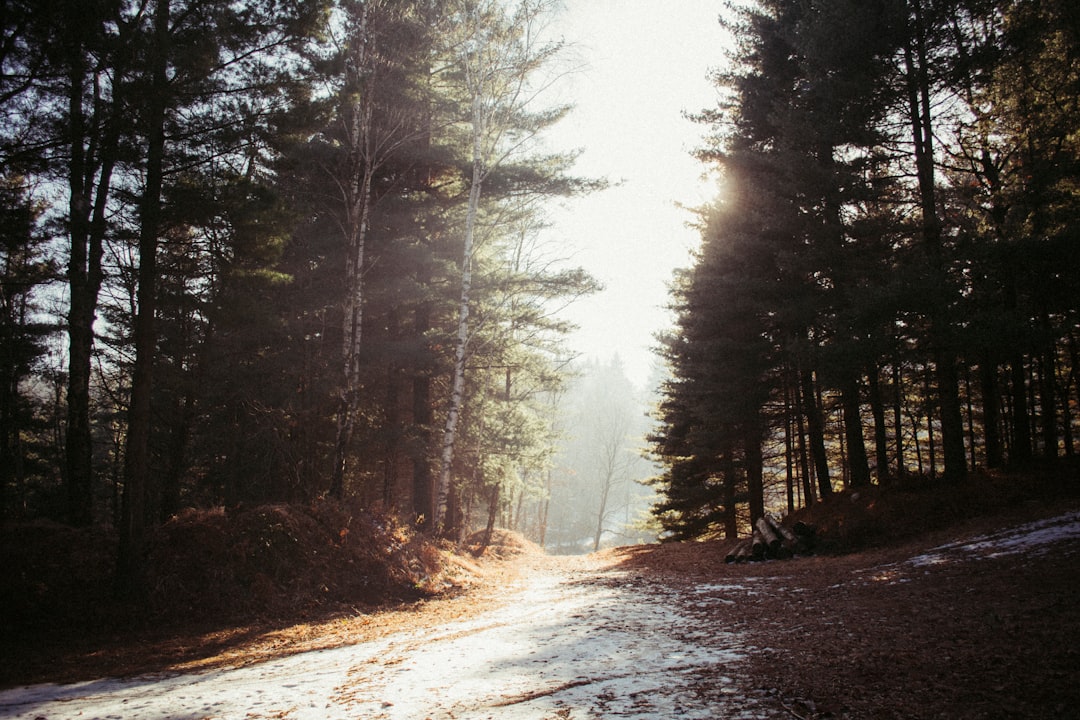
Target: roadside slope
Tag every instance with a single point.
(979, 622)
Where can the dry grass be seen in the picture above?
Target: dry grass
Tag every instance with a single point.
(216, 581)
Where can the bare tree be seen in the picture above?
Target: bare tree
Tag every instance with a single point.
(612, 462)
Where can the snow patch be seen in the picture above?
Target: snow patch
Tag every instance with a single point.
(1031, 537)
(570, 648)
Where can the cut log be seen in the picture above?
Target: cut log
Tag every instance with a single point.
(771, 540)
(740, 553)
(807, 535)
(787, 536)
(760, 547)
(768, 535)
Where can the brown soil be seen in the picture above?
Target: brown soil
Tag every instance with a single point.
(861, 634)
(870, 635)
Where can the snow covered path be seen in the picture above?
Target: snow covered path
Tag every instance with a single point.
(566, 645)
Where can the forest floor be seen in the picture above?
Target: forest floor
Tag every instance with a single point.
(975, 619)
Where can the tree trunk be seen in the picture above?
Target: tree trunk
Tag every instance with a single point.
(952, 422)
(137, 473)
(545, 506)
(78, 444)
(605, 491)
(1067, 386)
(816, 429)
(858, 463)
(804, 458)
(752, 457)
(392, 433)
(1047, 396)
(1021, 429)
(898, 420)
(772, 540)
(970, 412)
(422, 416)
(930, 449)
(360, 170)
(952, 418)
(177, 454)
(352, 327)
(881, 435)
(87, 223)
(493, 511)
(457, 389)
(423, 509)
(991, 412)
(789, 451)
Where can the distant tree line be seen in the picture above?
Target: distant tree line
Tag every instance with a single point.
(265, 251)
(889, 283)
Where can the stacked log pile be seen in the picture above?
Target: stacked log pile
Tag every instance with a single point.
(773, 541)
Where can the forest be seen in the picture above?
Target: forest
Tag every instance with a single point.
(886, 290)
(271, 252)
(292, 423)
(275, 252)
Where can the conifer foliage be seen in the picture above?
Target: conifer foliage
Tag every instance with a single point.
(885, 287)
(275, 219)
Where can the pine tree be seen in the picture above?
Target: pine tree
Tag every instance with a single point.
(498, 65)
(25, 269)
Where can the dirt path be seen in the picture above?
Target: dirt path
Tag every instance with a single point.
(569, 641)
(983, 623)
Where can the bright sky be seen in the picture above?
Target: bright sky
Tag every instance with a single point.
(646, 63)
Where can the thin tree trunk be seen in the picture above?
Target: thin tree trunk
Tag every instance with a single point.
(393, 435)
(1067, 385)
(898, 420)
(1047, 398)
(804, 459)
(952, 424)
(605, 492)
(731, 515)
(916, 427)
(87, 223)
(493, 510)
(930, 449)
(1020, 452)
(176, 462)
(137, 473)
(361, 173)
(752, 457)
(991, 412)
(457, 390)
(970, 416)
(352, 329)
(881, 436)
(815, 426)
(422, 418)
(857, 461)
(789, 451)
(545, 506)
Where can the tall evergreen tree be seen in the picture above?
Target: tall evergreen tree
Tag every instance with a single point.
(25, 269)
(499, 63)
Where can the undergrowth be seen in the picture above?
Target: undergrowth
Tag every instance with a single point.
(263, 561)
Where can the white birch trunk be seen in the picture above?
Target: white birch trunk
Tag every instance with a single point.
(457, 391)
(358, 208)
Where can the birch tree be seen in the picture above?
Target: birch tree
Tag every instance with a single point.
(376, 119)
(501, 64)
